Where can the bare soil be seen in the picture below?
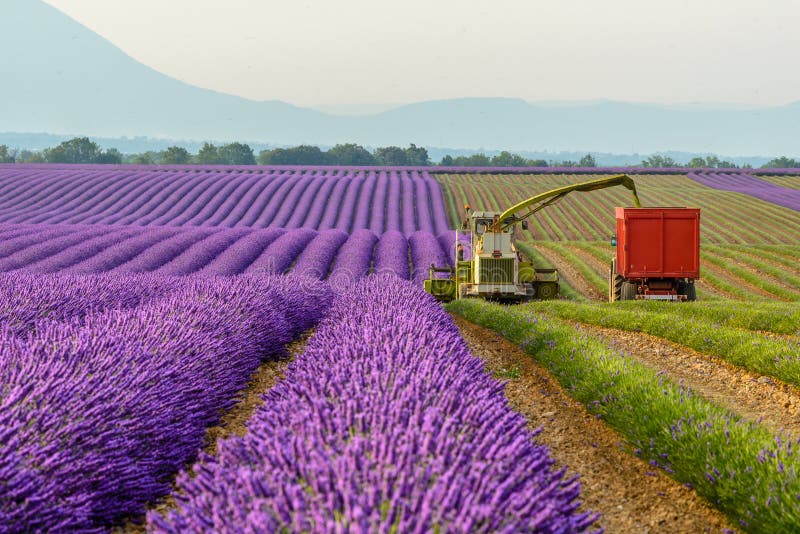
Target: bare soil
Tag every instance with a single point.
(749, 395)
(570, 275)
(600, 267)
(631, 495)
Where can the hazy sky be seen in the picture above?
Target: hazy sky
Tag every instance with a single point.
(337, 52)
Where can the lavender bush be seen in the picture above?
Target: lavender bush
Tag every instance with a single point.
(97, 415)
(369, 432)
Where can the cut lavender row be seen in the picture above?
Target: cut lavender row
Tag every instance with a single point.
(369, 432)
(96, 416)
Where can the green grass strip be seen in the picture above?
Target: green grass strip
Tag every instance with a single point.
(745, 470)
(748, 276)
(772, 253)
(777, 357)
(776, 317)
(752, 259)
(724, 285)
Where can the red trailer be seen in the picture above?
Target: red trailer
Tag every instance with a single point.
(658, 254)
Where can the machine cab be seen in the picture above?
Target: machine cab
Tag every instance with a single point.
(482, 221)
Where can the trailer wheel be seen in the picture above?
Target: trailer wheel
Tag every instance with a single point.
(691, 294)
(628, 291)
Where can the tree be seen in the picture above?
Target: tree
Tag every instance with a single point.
(350, 154)
(696, 163)
(391, 155)
(537, 163)
(110, 156)
(782, 163)
(28, 156)
(77, 150)
(208, 155)
(175, 155)
(145, 158)
(658, 160)
(507, 159)
(587, 161)
(299, 155)
(447, 161)
(237, 154)
(417, 156)
(475, 160)
(6, 155)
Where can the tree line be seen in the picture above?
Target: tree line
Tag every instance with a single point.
(84, 150)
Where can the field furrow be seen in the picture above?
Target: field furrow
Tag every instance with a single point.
(629, 493)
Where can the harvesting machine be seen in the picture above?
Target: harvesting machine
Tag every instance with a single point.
(492, 267)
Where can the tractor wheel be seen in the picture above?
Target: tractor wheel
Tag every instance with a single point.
(546, 291)
(627, 291)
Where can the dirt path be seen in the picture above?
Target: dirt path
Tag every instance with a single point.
(748, 394)
(600, 267)
(232, 423)
(628, 492)
(569, 274)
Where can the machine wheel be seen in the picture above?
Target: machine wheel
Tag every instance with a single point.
(546, 291)
(627, 291)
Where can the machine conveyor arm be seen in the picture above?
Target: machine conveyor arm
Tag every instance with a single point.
(509, 217)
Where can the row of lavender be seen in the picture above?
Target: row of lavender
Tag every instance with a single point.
(107, 383)
(378, 200)
(750, 185)
(385, 423)
(332, 254)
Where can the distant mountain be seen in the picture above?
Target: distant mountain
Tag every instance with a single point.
(60, 77)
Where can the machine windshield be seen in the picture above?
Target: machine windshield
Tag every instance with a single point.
(482, 225)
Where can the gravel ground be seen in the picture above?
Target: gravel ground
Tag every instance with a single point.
(630, 494)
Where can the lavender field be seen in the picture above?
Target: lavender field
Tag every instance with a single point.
(137, 304)
(225, 197)
(750, 185)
